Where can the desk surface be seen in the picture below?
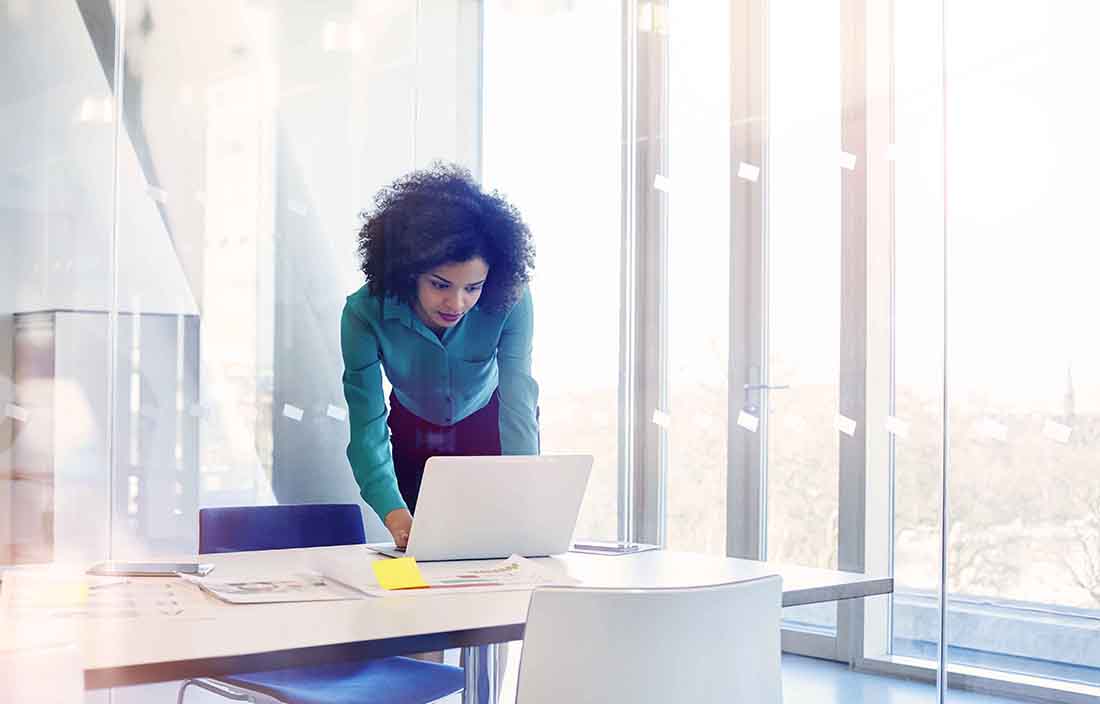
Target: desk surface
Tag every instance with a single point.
(224, 638)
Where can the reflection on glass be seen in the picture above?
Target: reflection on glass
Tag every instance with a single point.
(551, 143)
(247, 149)
(57, 127)
(254, 151)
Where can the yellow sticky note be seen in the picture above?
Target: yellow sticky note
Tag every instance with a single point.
(398, 573)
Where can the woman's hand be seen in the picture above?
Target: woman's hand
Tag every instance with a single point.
(399, 522)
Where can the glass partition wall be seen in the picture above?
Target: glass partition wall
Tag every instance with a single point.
(1024, 369)
(56, 285)
(797, 264)
(1000, 590)
(260, 137)
(175, 280)
(172, 280)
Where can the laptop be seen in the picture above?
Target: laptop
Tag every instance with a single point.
(473, 508)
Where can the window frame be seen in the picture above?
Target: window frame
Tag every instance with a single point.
(871, 632)
(747, 481)
(867, 460)
(867, 372)
(643, 375)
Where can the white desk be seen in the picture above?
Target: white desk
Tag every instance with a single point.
(257, 637)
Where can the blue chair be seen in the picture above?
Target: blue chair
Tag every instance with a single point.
(393, 680)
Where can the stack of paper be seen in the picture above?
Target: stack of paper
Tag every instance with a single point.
(55, 594)
(404, 575)
(272, 589)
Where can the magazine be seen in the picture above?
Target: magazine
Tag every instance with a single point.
(274, 589)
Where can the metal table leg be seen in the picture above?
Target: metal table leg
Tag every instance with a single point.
(480, 664)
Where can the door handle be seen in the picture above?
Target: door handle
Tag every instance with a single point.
(749, 388)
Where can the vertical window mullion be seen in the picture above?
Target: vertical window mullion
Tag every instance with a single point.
(873, 639)
(853, 380)
(648, 377)
(746, 503)
(627, 363)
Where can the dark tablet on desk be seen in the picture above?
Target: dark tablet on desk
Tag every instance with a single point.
(605, 547)
(150, 569)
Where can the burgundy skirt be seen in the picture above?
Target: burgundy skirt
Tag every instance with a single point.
(414, 440)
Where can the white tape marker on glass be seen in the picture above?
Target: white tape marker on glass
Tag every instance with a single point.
(845, 424)
(1058, 432)
(97, 110)
(16, 412)
(748, 172)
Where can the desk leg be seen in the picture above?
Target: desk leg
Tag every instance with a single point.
(480, 664)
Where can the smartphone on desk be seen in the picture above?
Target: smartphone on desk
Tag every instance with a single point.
(114, 568)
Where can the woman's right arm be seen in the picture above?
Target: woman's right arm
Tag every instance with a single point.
(369, 450)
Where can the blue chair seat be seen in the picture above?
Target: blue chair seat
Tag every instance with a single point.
(392, 680)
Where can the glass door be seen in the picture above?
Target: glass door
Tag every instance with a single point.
(799, 385)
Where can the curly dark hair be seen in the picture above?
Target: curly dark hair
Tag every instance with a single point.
(439, 215)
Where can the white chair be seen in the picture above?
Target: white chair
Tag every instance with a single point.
(700, 645)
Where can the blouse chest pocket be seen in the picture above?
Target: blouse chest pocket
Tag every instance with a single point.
(473, 374)
(478, 357)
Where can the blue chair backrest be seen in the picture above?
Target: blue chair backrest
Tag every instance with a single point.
(244, 528)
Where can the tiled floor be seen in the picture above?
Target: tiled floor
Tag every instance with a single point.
(810, 681)
(805, 681)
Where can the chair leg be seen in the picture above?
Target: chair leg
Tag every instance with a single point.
(216, 688)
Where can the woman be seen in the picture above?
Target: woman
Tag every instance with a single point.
(447, 314)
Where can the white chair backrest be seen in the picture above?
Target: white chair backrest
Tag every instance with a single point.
(661, 646)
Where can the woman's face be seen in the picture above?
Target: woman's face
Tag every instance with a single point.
(444, 294)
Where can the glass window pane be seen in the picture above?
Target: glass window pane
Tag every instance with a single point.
(803, 290)
(1024, 352)
(699, 265)
(57, 126)
(1024, 386)
(250, 149)
(551, 143)
(918, 326)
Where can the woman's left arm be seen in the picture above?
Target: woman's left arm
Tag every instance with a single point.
(519, 393)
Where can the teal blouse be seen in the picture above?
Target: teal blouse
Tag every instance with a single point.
(441, 380)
